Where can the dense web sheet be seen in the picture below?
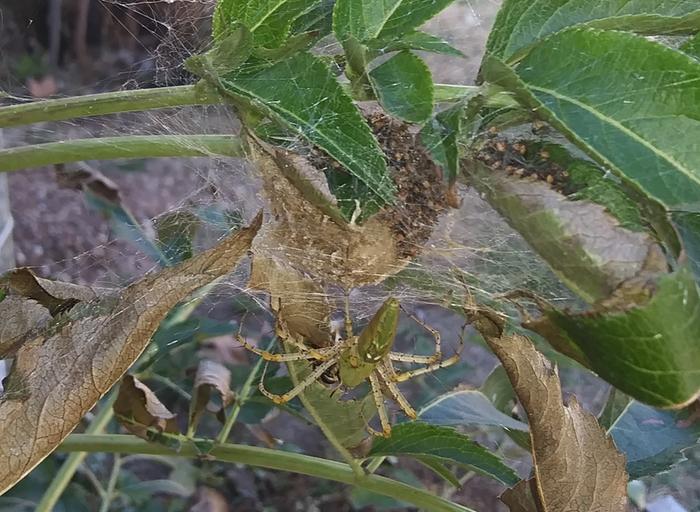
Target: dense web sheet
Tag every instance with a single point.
(471, 245)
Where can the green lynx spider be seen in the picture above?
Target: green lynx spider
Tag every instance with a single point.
(359, 358)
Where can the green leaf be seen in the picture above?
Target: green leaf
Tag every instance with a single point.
(692, 46)
(317, 18)
(498, 389)
(646, 137)
(175, 232)
(410, 14)
(440, 135)
(414, 40)
(520, 23)
(653, 440)
(688, 227)
(230, 50)
(404, 87)
(369, 19)
(268, 20)
(650, 351)
(302, 94)
(467, 407)
(345, 420)
(443, 445)
(441, 470)
(615, 407)
(599, 253)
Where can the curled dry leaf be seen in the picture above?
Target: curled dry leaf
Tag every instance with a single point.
(304, 234)
(576, 465)
(211, 377)
(599, 253)
(138, 409)
(61, 372)
(301, 302)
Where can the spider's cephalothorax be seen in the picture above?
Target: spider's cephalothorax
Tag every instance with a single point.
(356, 359)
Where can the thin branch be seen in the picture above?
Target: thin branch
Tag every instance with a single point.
(131, 146)
(117, 102)
(269, 459)
(70, 466)
(106, 103)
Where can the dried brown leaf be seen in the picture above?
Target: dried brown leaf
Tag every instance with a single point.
(576, 466)
(304, 236)
(520, 497)
(299, 301)
(23, 282)
(59, 374)
(86, 178)
(211, 378)
(138, 409)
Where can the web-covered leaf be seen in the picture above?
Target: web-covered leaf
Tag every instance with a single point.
(692, 46)
(600, 253)
(404, 87)
(643, 342)
(61, 372)
(440, 136)
(415, 40)
(520, 23)
(646, 138)
(369, 19)
(443, 445)
(302, 93)
(268, 20)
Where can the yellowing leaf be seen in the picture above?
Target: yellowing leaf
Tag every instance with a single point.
(576, 465)
(60, 372)
(138, 409)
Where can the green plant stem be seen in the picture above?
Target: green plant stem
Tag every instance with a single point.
(106, 103)
(269, 459)
(70, 466)
(242, 397)
(147, 99)
(375, 463)
(131, 146)
(112, 484)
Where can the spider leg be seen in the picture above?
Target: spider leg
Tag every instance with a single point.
(411, 358)
(308, 380)
(318, 355)
(381, 409)
(403, 376)
(386, 372)
(436, 336)
(348, 320)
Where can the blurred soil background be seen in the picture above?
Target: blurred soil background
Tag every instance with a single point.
(52, 48)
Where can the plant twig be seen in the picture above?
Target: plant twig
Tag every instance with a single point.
(116, 102)
(129, 146)
(242, 397)
(70, 466)
(269, 459)
(106, 103)
(111, 484)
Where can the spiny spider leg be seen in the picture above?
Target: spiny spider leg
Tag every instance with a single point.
(381, 408)
(308, 380)
(404, 376)
(436, 335)
(278, 358)
(386, 372)
(411, 358)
